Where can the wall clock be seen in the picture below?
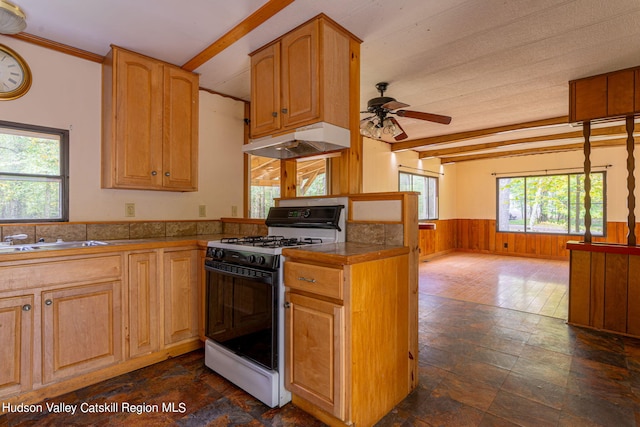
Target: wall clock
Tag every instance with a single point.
(15, 75)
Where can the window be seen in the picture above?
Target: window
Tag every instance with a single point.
(265, 182)
(312, 177)
(550, 204)
(34, 173)
(264, 185)
(427, 186)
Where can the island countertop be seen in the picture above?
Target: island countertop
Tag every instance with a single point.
(345, 253)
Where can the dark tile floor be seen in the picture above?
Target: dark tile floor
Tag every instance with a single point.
(480, 365)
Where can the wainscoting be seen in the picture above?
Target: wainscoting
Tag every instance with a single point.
(480, 235)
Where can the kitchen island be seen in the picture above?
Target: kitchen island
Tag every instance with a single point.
(347, 330)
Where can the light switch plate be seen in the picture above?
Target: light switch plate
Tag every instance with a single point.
(202, 211)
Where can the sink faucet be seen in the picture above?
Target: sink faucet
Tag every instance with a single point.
(10, 239)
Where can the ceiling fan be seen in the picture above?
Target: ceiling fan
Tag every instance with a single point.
(379, 124)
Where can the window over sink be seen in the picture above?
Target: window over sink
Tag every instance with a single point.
(34, 173)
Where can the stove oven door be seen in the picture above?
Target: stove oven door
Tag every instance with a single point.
(240, 311)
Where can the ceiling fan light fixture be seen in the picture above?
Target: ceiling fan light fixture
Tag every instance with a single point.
(12, 18)
(367, 128)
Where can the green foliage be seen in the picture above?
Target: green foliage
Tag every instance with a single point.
(550, 204)
(30, 182)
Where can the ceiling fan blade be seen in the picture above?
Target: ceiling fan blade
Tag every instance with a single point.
(394, 105)
(402, 135)
(445, 120)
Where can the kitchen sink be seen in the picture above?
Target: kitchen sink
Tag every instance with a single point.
(30, 247)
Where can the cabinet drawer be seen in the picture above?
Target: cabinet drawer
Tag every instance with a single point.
(324, 281)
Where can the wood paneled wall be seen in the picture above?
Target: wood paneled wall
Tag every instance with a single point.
(480, 235)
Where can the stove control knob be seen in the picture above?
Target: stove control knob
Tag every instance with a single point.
(252, 259)
(261, 260)
(219, 253)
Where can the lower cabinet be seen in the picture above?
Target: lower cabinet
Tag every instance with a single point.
(346, 336)
(315, 362)
(16, 336)
(181, 290)
(68, 316)
(144, 303)
(81, 329)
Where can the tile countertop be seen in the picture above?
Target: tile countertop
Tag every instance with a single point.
(344, 253)
(200, 240)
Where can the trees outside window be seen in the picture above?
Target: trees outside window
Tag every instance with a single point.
(427, 186)
(34, 173)
(550, 204)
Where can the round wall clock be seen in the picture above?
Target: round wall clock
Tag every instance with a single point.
(15, 75)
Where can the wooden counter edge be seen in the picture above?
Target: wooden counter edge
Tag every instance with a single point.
(611, 248)
(339, 258)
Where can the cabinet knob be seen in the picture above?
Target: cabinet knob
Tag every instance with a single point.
(167, 174)
(304, 279)
(287, 304)
(154, 173)
(48, 302)
(274, 114)
(26, 307)
(284, 111)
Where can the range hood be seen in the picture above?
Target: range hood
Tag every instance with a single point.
(318, 138)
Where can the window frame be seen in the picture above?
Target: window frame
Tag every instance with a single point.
(569, 201)
(437, 193)
(63, 134)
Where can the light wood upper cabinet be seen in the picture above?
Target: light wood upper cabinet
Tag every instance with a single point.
(150, 124)
(16, 336)
(301, 78)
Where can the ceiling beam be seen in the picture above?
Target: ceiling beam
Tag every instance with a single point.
(461, 136)
(539, 150)
(607, 131)
(249, 24)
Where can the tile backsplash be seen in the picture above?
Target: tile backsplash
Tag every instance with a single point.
(111, 230)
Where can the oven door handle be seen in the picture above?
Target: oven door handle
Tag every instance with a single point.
(265, 276)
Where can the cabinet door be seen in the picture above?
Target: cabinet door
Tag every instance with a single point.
(300, 76)
(265, 91)
(16, 336)
(180, 148)
(180, 295)
(314, 351)
(81, 329)
(143, 303)
(620, 93)
(138, 121)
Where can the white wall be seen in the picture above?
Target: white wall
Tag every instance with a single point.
(381, 167)
(468, 189)
(66, 94)
(476, 189)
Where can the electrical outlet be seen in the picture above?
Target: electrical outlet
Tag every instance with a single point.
(234, 211)
(202, 211)
(129, 210)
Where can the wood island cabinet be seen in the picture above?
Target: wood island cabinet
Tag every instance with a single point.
(346, 337)
(149, 123)
(301, 78)
(16, 336)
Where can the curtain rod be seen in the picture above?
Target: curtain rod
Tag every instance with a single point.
(546, 171)
(421, 170)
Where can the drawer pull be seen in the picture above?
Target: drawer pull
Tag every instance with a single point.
(304, 279)
(48, 302)
(26, 307)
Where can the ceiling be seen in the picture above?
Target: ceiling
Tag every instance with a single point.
(486, 63)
